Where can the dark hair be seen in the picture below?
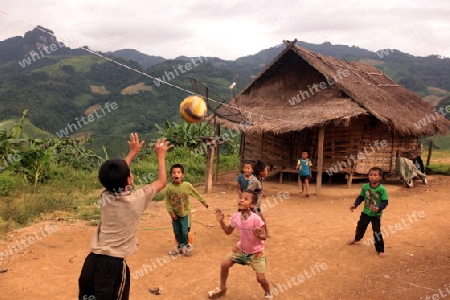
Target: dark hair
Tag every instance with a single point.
(113, 174)
(376, 169)
(177, 166)
(305, 151)
(258, 167)
(254, 196)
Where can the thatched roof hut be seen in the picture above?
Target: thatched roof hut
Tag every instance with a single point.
(301, 95)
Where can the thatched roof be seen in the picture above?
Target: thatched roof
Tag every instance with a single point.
(268, 101)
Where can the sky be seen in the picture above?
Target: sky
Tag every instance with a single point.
(229, 29)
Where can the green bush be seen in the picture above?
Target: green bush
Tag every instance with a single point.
(67, 178)
(9, 183)
(145, 169)
(72, 191)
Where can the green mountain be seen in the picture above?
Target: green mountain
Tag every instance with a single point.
(72, 92)
(144, 60)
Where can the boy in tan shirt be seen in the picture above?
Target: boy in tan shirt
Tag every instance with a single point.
(105, 274)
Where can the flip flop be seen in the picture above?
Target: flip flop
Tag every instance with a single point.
(216, 293)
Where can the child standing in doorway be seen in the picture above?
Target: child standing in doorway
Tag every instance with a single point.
(304, 172)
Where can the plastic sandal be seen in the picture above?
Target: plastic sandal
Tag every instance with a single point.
(216, 293)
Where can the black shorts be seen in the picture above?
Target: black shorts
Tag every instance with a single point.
(303, 178)
(103, 278)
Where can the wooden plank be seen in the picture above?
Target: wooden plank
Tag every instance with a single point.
(216, 173)
(209, 169)
(430, 149)
(320, 138)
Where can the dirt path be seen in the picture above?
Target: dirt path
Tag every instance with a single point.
(307, 254)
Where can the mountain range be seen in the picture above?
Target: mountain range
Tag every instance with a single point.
(71, 92)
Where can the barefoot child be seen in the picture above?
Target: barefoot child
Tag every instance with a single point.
(304, 172)
(250, 247)
(375, 199)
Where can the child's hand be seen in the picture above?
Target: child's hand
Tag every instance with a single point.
(352, 208)
(219, 215)
(375, 209)
(135, 145)
(258, 232)
(161, 148)
(205, 205)
(174, 216)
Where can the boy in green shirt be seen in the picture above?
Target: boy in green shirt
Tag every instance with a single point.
(375, 199)
(179, 208)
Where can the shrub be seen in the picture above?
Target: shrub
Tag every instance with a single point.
(9, 183)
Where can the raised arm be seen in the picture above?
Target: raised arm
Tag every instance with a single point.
(161, 148)
(219, 217)
(135, 147)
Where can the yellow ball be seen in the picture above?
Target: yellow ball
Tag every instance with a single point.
(193, 109)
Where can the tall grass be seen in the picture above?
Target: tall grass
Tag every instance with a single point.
(73, 194)
(22, 203)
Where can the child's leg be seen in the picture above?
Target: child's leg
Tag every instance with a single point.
(261, 278)
(86, 279)
(224, 271)
(377, 235)
(361, 227)
(190, 238)
(104, 277)
(184, 226)
(307, 187)
(176, 224)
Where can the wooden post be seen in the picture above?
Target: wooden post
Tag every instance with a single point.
(209, 168)
(350, 179)
(430, 149)
(217, 152)
(321, 138)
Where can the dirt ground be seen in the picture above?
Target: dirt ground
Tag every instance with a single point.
(307, 255)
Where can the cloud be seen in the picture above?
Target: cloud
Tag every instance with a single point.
(229, 29)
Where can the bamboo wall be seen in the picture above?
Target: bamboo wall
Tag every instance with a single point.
(358, 137)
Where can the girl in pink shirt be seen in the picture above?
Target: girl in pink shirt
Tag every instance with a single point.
(250, 247)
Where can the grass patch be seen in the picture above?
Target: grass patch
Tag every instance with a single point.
(82, 100)
(74, 194)
(80, 64)
(439, 162)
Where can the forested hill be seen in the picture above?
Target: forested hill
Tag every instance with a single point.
(69, 91)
